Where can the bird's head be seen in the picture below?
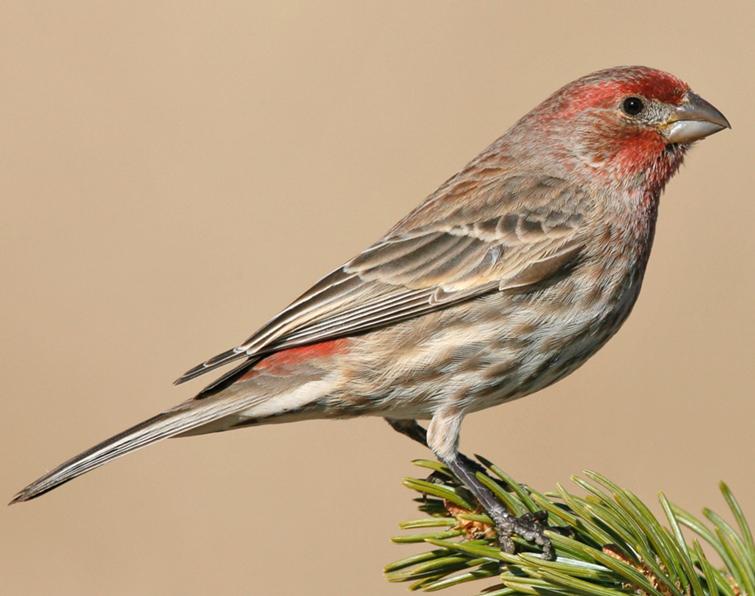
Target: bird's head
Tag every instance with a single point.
(628, 121)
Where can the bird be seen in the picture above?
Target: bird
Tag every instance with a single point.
(506, 279)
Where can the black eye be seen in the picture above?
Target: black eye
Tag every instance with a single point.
(632, 105)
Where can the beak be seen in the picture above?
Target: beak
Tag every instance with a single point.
(693, 120)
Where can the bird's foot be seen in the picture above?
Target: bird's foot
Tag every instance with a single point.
(530, 526)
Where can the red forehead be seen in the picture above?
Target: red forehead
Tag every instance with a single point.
(657, 85)
(605, 88)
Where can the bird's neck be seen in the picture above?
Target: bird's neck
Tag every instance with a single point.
(631, 210)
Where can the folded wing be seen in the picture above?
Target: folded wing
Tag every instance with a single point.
(514, 233)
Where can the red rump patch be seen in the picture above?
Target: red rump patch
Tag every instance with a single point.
(294, 356)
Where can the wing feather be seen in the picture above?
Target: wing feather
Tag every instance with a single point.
(459, 252)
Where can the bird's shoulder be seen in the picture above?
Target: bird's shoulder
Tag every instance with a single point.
(492, 217)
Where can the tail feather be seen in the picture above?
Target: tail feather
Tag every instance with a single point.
(188, 416)
(211, 364)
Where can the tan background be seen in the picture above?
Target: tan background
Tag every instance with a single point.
(172, 173)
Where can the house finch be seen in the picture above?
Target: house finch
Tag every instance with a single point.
(504, 280)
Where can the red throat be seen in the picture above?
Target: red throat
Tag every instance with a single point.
(636, 152)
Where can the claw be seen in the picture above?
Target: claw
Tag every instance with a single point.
(530, 526)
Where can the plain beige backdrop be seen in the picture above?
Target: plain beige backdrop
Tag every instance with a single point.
(172, 173)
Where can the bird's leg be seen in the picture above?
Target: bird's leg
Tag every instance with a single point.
(443, 435)
(410, 428)
(415, 431)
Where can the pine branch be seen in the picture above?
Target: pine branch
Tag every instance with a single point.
(607, 542)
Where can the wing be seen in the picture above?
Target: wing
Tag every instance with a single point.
(512, 232)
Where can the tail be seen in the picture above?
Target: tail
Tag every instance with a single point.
(186, 417)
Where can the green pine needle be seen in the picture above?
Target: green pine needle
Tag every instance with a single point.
(607, 541)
